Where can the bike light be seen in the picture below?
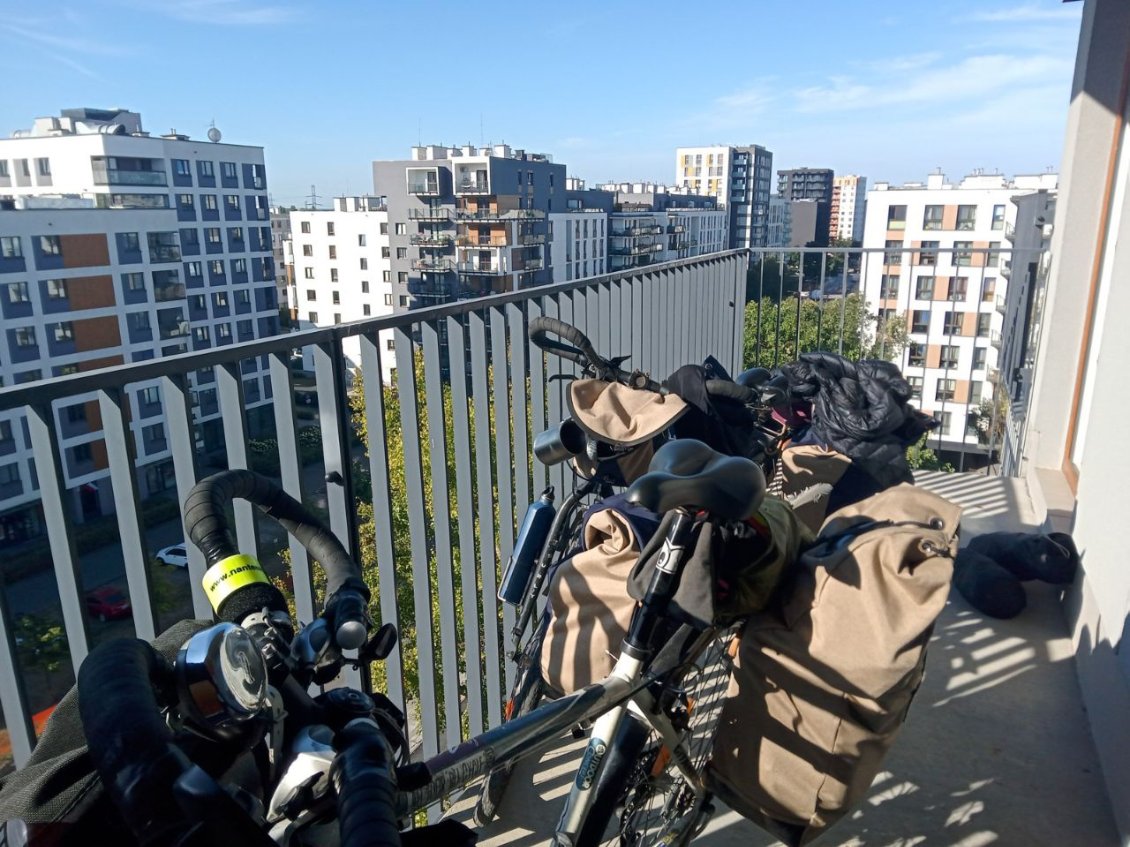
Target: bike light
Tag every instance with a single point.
(221, 679)
(560, 443)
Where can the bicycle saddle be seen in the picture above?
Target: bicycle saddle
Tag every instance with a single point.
(687, 473)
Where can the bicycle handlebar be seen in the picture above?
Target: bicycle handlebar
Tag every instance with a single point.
(366, 787)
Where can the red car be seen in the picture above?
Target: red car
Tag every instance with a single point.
(108, 603)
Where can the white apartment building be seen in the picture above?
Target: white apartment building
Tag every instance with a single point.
(343, 264)
(739, 177)
(945, 264)
(578, 244)
(849, 201)
(780, 228)
(641, 238)
(121, 246)
(280, 236)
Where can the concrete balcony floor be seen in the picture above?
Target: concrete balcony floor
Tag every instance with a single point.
(997, 749)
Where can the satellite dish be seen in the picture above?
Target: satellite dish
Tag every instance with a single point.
(214, 134)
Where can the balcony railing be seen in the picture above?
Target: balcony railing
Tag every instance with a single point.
(430, 240)
(480, 241)
(678, 313)
(428, 187)
(1001, 304)
(483, 268)
(473, 186)
(429, 214)
(110, 176)
(432, 265)
(498, 215)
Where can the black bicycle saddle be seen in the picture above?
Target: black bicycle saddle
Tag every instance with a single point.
(687, 473)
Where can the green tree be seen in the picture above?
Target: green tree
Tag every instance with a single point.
(922, 458)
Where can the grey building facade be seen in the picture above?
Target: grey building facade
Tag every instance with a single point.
(810, 184)
(751, 175)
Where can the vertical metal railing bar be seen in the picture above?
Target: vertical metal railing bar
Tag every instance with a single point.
(823, 299)
(675, 340)
(464, 498)
(441, 529)
(485, 494)
(645, 303)
(333, 417)
(605, 317)
(741, 270)
(13, 695)
(843, 307)
(233, 409)
(290, 474)
(535, 309)
(122, 458)
(418, 535)
(580, 319)
(60, 532)
(780, 300)
(638, 336)
(555, 409)
(376, 430)
(760, 297)
(520, 407)
(625, 344)
(182, 444)
(799, 299)
(504, 467)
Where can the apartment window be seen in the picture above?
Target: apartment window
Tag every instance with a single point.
(337, 317)
(952, 323)
(333, 252)
(333, 274)
(313, 317)
(10, 474)
(364, 264)
(239, 266)
(366, 310)
(946, 389)
(150, 396)
(361, 240)
(201, 334)
(390, 345)
(4, 168)
(186, 200)
(401, 229)
(386, 253)
(56, 289)
(928, 254)
(984, 325)
(364, 286)
(307, 249)
(329, 228)
(975, 389)
(932, 217)
(24, 169)
(220, 300)
(232, 202)
(889, 289)
(5, 431)
(962, 253)
(335, 296)
(915, 383)
(949, 356)
(181, 167)
(10, 247)
(386, 276)
(998, 217)
(227, 170)
(134, 281)
(989, 289)
(966, 217)
(384, 229)
(243, 297)
(979, 356)
(190, 269)
(402, 252)
(403, 300)
(43, 166)
(896, 217)
(207, 168)
(958, 288)
(212, 234)
(893, 255)
(209, 201)
(137, 321)
(223, 331)
(993, 257)
(308, 273)
(402, 277)
(388, 299)
(235, 233)
(64, 331)
(18, 292)
(920, 320)
(311, 294)
(216, 266)
(49, 245)
(916, 354)
(924, 288)
(304, 227)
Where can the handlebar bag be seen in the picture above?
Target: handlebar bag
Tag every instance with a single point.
(823, 683)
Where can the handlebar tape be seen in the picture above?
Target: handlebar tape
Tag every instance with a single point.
(366, 788)
(582, 352)
(130, 746)
(730, 390)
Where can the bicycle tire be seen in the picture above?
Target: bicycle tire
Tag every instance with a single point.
(643, 800)
(524, 698)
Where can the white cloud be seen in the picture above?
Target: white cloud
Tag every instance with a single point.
(1029, 13)
(734, 110)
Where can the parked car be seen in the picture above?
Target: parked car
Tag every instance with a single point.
(175, 555)
(108, 603)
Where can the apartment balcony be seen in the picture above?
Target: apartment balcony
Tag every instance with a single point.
(636, 250)
(532, 239)
(431, 240)
(432, 265)
(995, 339)
(424, 188)
(480, 268)
(429, 214)
(636, 231)
(1000, 304)
(473, 186)
(675, 228)
(531, 265)
(487, 215)
(480, 241)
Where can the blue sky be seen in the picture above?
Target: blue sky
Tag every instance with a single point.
(890, 90)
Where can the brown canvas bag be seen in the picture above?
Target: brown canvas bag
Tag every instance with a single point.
(590, 605)
(822, 685)
(805, 465)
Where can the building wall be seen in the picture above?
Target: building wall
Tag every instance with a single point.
(849, 199)
(739, 178)
(579, 246)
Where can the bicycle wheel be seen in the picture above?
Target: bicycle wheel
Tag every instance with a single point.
(642, 798)
(524, 698)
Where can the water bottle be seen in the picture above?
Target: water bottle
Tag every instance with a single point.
(531, 539)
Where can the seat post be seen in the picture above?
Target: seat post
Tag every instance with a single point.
(669, 561)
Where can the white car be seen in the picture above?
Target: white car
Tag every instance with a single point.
(176, 556)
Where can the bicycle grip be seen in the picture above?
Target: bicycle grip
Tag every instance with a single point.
(731, 391)
(366, 789)
(349, 610)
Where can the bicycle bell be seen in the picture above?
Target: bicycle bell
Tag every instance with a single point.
(221, 680)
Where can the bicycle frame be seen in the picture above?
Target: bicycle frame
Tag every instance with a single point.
(628, 686)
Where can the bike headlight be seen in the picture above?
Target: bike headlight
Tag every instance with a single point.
(222, 679)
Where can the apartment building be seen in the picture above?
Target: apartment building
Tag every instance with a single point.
(121, 246)
(945, 264)
(468, 221)
(343, 271)
(739, 179)
(280, 235)
(780, 228)
(643, 237)
(849, 201)
(579, 244)
(809, 184)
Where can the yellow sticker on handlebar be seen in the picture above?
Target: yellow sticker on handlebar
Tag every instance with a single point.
(229, 575)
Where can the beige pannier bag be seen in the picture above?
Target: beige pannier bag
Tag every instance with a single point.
(822, 685)
(803, 466)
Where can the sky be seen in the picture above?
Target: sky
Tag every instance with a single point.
(889, 90)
